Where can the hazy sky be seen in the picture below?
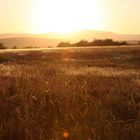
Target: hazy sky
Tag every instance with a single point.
(38, 16)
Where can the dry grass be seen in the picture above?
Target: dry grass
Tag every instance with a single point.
(83, 94)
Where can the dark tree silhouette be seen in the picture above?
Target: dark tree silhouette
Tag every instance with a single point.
(96, 42)
(82, 43)
(2, 46)
(14, 47)
(64, 44)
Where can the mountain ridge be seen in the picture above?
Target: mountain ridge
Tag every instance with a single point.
(52, 39)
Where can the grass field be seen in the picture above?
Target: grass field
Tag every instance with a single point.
(74, 94)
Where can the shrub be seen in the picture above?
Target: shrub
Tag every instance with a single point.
(2, 46)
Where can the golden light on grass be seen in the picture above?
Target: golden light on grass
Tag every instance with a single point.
(48, 98)
(66, 15)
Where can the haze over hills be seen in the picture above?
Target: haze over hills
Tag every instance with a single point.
(25, 42)
(52, 39)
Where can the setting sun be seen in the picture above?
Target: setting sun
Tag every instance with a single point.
(66, 15)
(42, 16)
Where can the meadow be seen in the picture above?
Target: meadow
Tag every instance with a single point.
(88, 93)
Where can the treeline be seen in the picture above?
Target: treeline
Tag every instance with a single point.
(2, 46)
(96, 42)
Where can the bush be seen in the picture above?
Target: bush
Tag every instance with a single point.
(96, 42)
(2, 46)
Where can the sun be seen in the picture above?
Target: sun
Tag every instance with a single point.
(65, 15)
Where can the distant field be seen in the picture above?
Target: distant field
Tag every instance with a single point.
(66, 48)
(88, 93)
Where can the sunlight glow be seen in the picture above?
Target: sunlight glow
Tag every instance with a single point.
(66, 15)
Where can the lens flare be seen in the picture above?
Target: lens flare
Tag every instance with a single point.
(65, 134)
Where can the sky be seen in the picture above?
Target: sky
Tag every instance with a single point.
(42, 16)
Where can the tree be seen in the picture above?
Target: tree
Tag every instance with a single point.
(14, 47)
(2, 46)
(64, 44)
(82, 43)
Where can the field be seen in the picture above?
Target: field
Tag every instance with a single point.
(70, 93)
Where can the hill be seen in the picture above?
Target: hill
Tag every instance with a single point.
(25, 42)
(53, 39)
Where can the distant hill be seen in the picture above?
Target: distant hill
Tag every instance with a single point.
(25, 42)
(53, 39)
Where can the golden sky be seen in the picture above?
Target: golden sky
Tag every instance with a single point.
(41, 16)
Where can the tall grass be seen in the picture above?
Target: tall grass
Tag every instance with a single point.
(91, 94)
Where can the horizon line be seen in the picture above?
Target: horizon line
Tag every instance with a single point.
(70, 32)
